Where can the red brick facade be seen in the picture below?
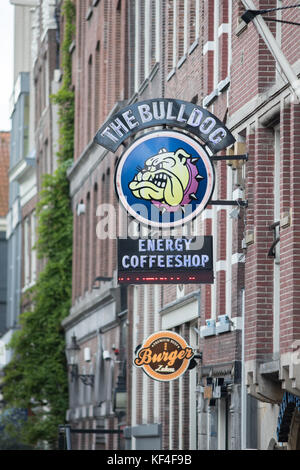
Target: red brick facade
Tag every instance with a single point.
(226, 66)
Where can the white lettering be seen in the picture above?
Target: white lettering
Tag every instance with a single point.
(169, 245)
(144, 110)
(217, 135)
(134, 261)
(151, 245)
(196, 261)
(160, 245)
(207, 125)
(205, 259)
(161, 108)
(169, 112)
(187, 243)
(142, 245)
(109, 135)
(125, 264)
(117, 126)
(152, 259)
(195, 118)
(170, 259)
(180, 117)
(161, 261)
(187, 261)
(130, 120)
(179, 244)
(143, 260)
(178, 261)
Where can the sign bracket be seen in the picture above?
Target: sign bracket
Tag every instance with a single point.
(238, 202)
(244, 156)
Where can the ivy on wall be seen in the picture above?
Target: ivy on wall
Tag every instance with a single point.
(36, 378)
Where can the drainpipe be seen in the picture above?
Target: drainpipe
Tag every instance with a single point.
(275, 50)
(243, 382)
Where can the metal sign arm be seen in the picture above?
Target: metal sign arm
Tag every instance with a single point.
(273, 46)
(216, 158)
(217, 202)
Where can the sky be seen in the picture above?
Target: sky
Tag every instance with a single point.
(6, 62)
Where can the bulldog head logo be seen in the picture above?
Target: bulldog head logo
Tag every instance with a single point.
(169, 179)
(164, 178)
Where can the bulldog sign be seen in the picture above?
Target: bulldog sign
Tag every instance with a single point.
(164, 179)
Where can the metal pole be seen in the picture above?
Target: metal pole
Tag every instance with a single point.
(274, 48)
(243, 382)
(61, 438)
(68, 437)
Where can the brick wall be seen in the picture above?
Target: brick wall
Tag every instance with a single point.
(92, 256)
(100, 50)
(259, 268)
(289, 237)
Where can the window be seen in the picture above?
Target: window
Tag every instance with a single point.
(89, 98)
(147, 39)
(193, 20)
(94, 236)
(97, 82)
(181, 28)
(276, 244)
(26, 253)
(32, 247)
(183, 18)
(87, 242)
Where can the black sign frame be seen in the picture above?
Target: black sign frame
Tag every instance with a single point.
(160, 112)
(167, 260)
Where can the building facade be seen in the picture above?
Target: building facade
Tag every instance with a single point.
(269, 129)
(166, 45)
(98, 317)
(21, 165)
(32, 131)
(243, 390)
(198, 52)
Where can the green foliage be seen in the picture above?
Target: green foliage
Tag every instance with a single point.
(36, 378)
(65, 96)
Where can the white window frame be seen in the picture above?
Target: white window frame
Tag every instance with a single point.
(33, 250)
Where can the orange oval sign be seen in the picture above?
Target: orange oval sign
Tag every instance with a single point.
(164, 356)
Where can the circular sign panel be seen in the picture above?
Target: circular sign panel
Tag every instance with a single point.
(164, 356)
(164, 179)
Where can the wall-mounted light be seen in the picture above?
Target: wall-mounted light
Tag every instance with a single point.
(106, 355)
(80, 209)
(72, 353)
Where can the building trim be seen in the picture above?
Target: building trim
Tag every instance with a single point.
(260, 104)
(3, 224)
(208, 46)
(180, 311)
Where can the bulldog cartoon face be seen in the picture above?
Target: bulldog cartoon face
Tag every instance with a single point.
(165, 178)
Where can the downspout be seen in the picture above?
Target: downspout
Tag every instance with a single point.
(243, 382)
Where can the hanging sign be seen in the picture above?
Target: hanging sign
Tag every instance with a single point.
(165, 260)
(164, 356)
(158, 112)
(164, 179)
(289, 404)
